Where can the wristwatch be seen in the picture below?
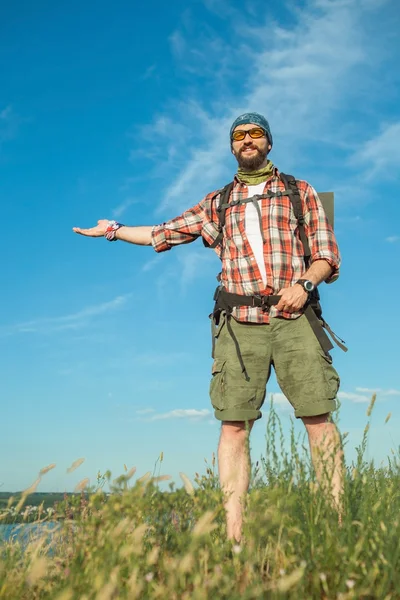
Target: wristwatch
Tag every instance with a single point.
(307, 285)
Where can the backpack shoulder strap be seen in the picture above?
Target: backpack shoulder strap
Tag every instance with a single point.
(294, 196)
(224, 195)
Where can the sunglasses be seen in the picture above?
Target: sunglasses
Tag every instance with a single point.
(255, 133)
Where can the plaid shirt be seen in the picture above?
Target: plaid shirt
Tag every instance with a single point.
(283, 251)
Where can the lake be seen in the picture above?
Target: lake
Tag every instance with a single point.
(25, 532)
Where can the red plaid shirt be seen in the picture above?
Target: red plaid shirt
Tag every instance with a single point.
(283, 251)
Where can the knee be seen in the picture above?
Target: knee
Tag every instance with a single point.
(317, 424)
(317, 420)
(236, 431)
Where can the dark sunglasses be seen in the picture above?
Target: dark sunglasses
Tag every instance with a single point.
(255, 133)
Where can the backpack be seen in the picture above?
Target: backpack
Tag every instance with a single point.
(327, 200)
(314, 310)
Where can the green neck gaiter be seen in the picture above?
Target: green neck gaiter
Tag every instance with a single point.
(256, 177)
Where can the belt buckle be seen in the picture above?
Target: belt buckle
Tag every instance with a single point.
(263, 305)
(254, 296)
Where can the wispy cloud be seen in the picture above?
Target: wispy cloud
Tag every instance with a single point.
(71, 321)
(9, 122)
(149, 72)
(380, 391)
(392, 239)
(301, 76)
(178, 44)
(194, 264)
(353, 397)
(381, 153)
(153, 262)
(363, 395)
(123, 207)
(162, 359)
(189, 414)
(279, 401)
(145, 411)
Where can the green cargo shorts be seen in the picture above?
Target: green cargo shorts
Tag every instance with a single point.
(304, 372)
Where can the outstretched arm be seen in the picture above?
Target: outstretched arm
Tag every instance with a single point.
(182, 230)
(134, 235)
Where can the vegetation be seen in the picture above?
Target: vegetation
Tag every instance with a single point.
(39, 503)
(140, 542)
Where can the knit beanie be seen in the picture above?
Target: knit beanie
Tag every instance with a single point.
(252, 117)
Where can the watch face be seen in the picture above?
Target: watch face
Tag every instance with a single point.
(308, 286)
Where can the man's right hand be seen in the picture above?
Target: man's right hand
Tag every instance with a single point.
(97, 231)
(140, 236)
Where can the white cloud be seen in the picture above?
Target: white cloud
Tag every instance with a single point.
(381, 153)
(193, 265)
(153, 262)
(392, 239)
(72, 321)
(123, 207)
(149, 72)
(190, 414)
(162, 359)
(357, 398)
(9, 123)
(300, 76)
(364, 395)
(378, 391)
(178, 43)
(6, 113)
(145, 411)
(280, 402)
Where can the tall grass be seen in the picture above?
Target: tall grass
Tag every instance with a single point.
(141, 542)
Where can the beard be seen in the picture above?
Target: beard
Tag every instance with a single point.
(251, 163)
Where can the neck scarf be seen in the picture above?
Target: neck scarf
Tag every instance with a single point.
(256, 177)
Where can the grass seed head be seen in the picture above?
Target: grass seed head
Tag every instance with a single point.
(82, 485)
(37, 570)
(371, 405)
(289, 581)
(46, 469)
(205, 524)
(144, 478)
(77, 463)
(188, 485)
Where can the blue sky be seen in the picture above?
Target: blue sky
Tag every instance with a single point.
(118, 110)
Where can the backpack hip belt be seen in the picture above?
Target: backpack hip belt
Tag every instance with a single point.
(225, 302)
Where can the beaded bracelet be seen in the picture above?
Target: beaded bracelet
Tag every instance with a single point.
(112, 228)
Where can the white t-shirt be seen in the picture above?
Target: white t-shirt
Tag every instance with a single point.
(253, 233)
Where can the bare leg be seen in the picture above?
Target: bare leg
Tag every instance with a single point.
(234, 472)
(327, 456)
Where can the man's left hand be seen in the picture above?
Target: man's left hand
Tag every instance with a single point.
(292, 298)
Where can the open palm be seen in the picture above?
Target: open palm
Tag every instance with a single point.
(97, 231)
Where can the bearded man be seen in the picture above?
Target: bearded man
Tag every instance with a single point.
(262, 255)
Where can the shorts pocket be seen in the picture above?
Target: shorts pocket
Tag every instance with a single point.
(331, 376)
(217, 385)
(219, 327)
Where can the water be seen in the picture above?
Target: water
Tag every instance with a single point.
(26, 532)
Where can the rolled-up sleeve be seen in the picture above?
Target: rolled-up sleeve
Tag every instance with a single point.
(321, 238)
(181, 230)
(201, 220)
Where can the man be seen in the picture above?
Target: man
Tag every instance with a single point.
(262, 257)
